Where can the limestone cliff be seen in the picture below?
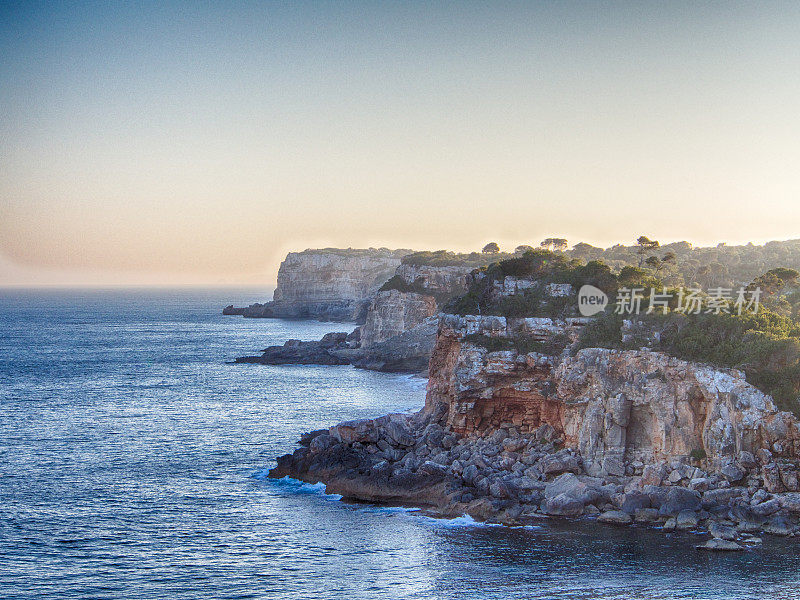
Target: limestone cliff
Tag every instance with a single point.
(437, 280)
(392, 312)
(627, 436)
(328, 284)
(617, 409)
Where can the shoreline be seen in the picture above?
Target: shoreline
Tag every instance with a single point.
(368, 462)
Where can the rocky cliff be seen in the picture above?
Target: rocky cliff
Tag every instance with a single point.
(631, 436)
(329, 284)
(616, 408)
(392, 312)
(437, 280)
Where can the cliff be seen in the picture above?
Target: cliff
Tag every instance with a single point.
(615, 408)
(328, 284)
(392, 312)
(628, 436)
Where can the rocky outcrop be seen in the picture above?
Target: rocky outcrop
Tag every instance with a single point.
(330, 350)
(329, 284)
(616, 408)
(392, 312)
(627, 436)
(438, 280)
(407, 352)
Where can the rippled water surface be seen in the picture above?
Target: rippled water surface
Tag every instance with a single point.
(133, 458)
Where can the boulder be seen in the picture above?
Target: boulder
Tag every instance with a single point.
(561, 462)
(724, 532)
(615, 517)
(563, 505)
(686, 519)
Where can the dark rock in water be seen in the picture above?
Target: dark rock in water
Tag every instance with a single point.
(303, 353)
(232, 310)
(721, 531)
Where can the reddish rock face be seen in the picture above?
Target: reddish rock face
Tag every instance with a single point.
(614, 407)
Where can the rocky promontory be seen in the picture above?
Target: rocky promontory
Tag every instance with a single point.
(627, 436)
(329, 284)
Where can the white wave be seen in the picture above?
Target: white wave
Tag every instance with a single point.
(301, 487)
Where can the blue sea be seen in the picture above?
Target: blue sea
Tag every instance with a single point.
(133, 460)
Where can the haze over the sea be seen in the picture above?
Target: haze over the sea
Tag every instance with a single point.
(170, 142)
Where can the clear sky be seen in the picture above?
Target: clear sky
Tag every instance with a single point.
(198, 142)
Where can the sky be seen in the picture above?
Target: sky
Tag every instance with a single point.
(196, 143)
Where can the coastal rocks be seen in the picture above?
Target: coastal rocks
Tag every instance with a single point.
(407, 352)
(440, 281)
(615, 517)
(616, 409)
(322, 352)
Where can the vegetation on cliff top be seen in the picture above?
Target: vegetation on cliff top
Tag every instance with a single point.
(765, 344)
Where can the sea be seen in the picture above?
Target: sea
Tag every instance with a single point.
(134, 458)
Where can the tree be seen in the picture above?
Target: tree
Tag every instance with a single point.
(523, 249)
(658, 263)
(491, 248)
(644, 247)
(557, 244)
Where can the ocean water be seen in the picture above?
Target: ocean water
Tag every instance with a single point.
(133, 461)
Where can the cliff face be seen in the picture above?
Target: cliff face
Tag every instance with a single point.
(627, 436)
(438, 280)
(392, 312)
(335, 285)
(617, 409)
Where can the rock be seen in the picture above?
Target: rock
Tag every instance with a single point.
(399, 433)
(431, 468)
(759, 496)
(563, 505)
(723, 497)
(679, 499)
(779, 525)
(570, 485)
(674, 477)
(554, 464)
(790, 501)
(725, 532)
(652, 475)
(767, 508)
(646, 515)
(699, 484)
(686, 519)
(764, 456)
(545, 432)
(720, 545)
(670, 524)
(771, 476)
(633, 501)
(393, 312)
(732, 473)
(747, 460)
(616, 517)
(322, 442)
